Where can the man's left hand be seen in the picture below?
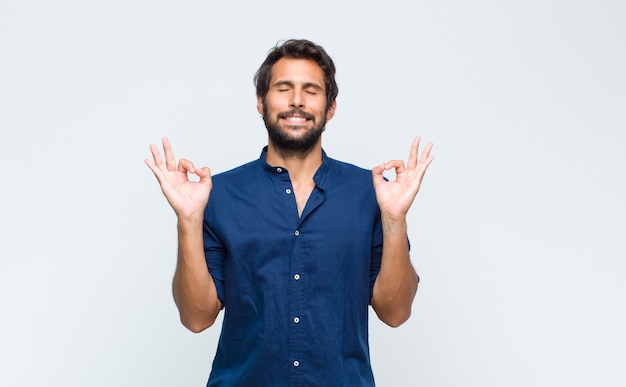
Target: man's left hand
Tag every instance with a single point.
(395, 197)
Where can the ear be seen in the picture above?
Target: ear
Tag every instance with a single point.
(331, 111)
(259, 105)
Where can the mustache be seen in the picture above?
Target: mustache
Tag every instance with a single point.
(296, 112)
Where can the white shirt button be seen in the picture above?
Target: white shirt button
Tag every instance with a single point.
(287, 191)
(279, 170)
(296, 319)
(296, 277)
(297, 233)
(296, 363)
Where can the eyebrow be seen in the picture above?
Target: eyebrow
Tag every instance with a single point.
(305, 85)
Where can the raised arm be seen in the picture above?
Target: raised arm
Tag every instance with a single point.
(193, 287)
(396, 284)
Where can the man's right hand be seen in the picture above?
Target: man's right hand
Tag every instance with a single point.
(187, 198)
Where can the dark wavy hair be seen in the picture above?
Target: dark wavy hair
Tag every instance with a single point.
(297, 49)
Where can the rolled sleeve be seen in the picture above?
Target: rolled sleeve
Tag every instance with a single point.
(214, 255)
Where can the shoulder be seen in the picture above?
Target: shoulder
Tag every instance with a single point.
(343, 178)
(238, 181)
(344, 166)
(344, 170)
(244, 171)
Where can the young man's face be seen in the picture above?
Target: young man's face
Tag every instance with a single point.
(294, 109)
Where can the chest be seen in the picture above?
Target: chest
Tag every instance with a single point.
(302, 192)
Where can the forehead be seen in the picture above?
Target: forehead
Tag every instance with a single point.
(297, 71)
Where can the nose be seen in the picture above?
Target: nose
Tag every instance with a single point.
(297, 99)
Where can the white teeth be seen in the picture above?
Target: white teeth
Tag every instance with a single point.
(300, 119)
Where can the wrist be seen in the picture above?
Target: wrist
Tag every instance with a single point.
(190, 223)
(394, 225)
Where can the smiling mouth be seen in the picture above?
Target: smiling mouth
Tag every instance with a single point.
(296, 117)
(295, 120)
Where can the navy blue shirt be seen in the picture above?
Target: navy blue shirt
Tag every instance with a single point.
(295, 289)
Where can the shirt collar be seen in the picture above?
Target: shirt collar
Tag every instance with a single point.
(320, 175)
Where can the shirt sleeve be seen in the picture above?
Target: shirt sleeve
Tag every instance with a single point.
(377, 252)
(214, 254)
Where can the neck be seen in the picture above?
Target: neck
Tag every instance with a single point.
(301, 165)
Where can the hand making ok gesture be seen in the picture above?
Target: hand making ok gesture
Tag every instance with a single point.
(395, 197)
(187, 198)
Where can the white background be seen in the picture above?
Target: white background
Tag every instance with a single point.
(518, 232)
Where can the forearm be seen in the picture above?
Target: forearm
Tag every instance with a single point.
(193, 288)
(396, 284)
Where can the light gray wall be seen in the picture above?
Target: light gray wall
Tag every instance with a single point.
(518, 233)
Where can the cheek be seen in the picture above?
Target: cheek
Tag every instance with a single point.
(316, 103)
(275, 103)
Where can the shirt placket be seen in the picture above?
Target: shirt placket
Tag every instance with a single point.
(297, 279)
(297, 293)
(297, 282)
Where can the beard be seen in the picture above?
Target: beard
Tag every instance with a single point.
(287, 144)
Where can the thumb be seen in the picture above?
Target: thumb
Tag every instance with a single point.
(377, 174)
(204, 174)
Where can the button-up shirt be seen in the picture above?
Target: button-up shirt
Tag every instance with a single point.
(295, 289)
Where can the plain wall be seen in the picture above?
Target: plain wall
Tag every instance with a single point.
(518, 232)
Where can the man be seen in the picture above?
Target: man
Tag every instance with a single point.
(295, 245)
